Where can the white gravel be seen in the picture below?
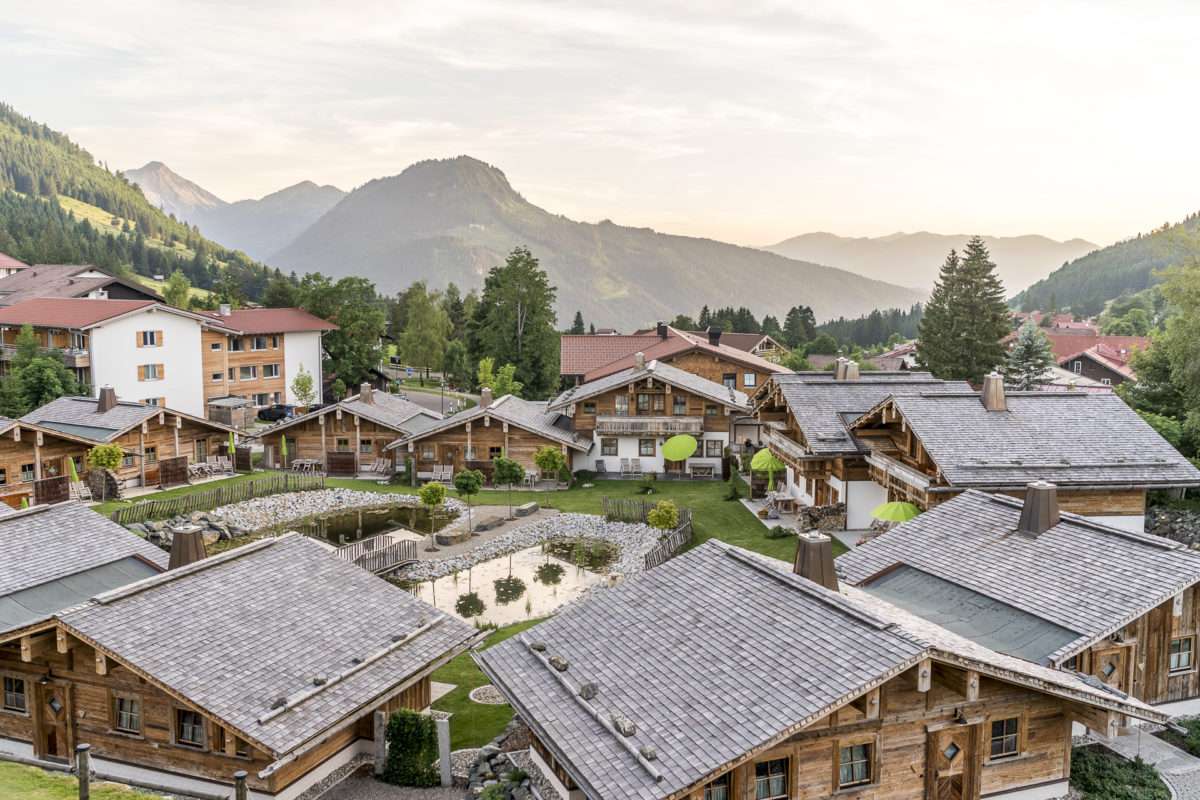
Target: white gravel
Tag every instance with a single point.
(277, 509)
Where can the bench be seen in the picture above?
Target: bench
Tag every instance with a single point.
(452, 538)
(526, 510)
(489, 523)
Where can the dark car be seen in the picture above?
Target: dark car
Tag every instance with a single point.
(277, 412)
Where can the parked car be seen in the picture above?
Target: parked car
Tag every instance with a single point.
(277, 412)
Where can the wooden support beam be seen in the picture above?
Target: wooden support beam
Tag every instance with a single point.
(964, 682)
(1106, 723)
(37, 644)
(64, 643)
(868, 704)
(1177, 605)
(101, 663)
(924, 675)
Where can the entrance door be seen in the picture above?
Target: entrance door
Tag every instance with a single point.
(953, 760)
(673, 466)
(55, 731)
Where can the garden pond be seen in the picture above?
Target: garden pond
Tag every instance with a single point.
(362, 523)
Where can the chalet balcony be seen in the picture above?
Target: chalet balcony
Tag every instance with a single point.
(72, 358)
(783, 446)
(648, 426)
(909, 484)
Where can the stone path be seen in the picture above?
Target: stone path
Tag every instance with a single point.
(1179, 770)
(478, 513)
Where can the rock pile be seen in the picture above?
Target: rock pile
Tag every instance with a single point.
(276, 509)
(1174, 524)
(493, 767)
(216, 528)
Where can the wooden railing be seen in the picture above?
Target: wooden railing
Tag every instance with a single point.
(71, 357)
(650, 426)
(352, 551)
(782, 445)
(901, 480)
(206, 501)
(389, 558)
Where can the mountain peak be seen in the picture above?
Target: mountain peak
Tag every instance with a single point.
(171, 192)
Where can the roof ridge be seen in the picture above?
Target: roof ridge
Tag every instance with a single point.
(1092, 523)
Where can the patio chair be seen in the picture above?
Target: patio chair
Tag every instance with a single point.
(80, 491)
(601, 469)
(635, 466)
(226, 463)
(531, 479)
(625, 468)
(214, 465)
(379, 466)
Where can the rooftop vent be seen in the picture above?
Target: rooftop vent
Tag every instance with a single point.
(850, 371)
(662, 330)
(187, 546)
(992, 395)
(1040, 511)
(639, 360)
(814, 559)
(485, 397)
(108, 399)
(714, 335)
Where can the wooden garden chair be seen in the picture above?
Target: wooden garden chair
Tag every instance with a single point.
(626, 469)
(80, 491)
(225, 463)
(635, 465)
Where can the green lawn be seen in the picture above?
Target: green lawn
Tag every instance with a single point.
(474, 724)
(31, 783)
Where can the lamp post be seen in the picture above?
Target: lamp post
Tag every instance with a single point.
(442, 403)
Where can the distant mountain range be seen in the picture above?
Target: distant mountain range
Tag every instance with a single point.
(913, 259)
(258, 228)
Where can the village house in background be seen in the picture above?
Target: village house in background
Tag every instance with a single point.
(149, 668)
(63, 281)
(10, 265)
(1054, 588)
(923, 448)
(346, 437)
(630, 414)
(794, 691)
(507, 426)
(805, 417)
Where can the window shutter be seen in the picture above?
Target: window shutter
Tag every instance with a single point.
(138, 334)
(162, 371)
(162, 401)
(158, 338)
(141, 372)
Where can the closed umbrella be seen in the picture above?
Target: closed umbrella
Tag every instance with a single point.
(231, 443)
(680, 447)
(74, 474)
(283, 446)
(24, 502)
(895, 512)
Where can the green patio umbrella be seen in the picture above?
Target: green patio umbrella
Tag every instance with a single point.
(74, 474)
(283, 446)
(764, 460)
(677, 448)
(231, 443)
(895, 512)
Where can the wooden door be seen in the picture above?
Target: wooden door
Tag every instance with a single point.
(953, 763)
(673, 466)
(1111, 665)
(54, 729)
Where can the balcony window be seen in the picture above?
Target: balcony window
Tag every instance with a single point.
(27, 473)
(679, 404)
(270, 370)
(258, 343)
(237, 344)
(621, 405)
(729, 380)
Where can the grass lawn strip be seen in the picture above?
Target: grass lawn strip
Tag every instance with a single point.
(1098, 774)
(31, 783)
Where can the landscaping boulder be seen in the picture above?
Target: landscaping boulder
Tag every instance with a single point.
(448, 538)
(489, 524)
(526, 510)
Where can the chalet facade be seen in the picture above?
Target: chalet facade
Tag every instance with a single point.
(1054, 588)
(805, 419)
(35, 462)
(507, 426)
(348, 436)
(158, 442)
(1102, 363)
(925, 448)
(10, 265)
(631, 413)
(794, 690)
(170, 690)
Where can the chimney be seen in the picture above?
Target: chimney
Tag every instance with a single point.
(226, 309)
(814, 559)
(366, 394)
(485, 397)
(1040, 512)
(714, 335)
(993, 393)
(850, 371)
(187, 546)
(639, 360)
(108, 399)
(662, 330)
(839, 368)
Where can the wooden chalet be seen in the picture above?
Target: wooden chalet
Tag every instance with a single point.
(805, 417)
(793, 690)
(172, 691)
(158, 442)
(925, 448)
(35, 462)
(631, 413)
(348, 436)
(70, 281)
(1051, 587)
(506, 426)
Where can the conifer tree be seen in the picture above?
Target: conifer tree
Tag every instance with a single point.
(965, 318)
(705, 319)
(577, 326)
(1028, 359)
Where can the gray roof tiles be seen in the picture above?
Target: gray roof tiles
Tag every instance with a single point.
(81, 412)
(665, 372)
(528, 414)
(1079, 438)
(235, 632)
(388, 410)
(970, 541)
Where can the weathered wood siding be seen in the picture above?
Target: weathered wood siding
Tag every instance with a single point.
(449, 446)
(19, 448)
(714, 368)
(350, 434)
(606, 404)
(167, 441)
(221, 361)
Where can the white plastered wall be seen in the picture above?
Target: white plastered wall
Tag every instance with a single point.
(116, 357)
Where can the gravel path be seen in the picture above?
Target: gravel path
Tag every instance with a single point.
(478, 513)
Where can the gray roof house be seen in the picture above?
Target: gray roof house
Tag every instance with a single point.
(724, 668)
(680, 379)
(1066, 591)
(531, 415)
(104, 420)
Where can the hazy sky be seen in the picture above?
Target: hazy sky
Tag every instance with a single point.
(743, 121)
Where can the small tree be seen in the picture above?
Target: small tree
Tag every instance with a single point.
(550, 459)
(338, 390)
(302, 387)
(105, 457)
(664, 517)
(468, 482)
(1028, 359)
(501, 381)
(177, 290)
(432, 494)
(507, 471)
(412, 749)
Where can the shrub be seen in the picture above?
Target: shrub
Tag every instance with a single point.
(496, 791)
(664, 516)
(412, 749)
(646, 484)
(746, 458)
(733, 493)
(1189, 741)
(508, 589)
(1100, 775)
(564, 476)
(517, 775)
(778, 532)
(469, 605)
(585, 475)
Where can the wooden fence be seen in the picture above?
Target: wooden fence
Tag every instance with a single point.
(389, 558)
(673, 543)
(620, 510)
(206, 501)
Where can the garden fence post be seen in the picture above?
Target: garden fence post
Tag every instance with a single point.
(239, 785)
(83, 770)
(443, 735)
(380, 741)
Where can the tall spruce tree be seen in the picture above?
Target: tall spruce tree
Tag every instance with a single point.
(1028, 359)
(965, 318)
(577, 326)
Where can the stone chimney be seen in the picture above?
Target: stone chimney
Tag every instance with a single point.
(226, 310)
(108, 399)
(839, 369)
(485, 397)
(187, 546)
(1040, 512)
(814, 559)
(366, 394)
(992, 395)
(662, 330)
(850, 371)
(639, 360)
(714, 335)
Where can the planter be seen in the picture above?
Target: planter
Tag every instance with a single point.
(762, 513)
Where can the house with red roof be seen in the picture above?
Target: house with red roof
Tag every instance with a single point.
(10, 265)
(1101, 361)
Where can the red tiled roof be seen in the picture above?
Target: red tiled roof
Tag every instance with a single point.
(580, 354)
(270, 320)
(8, 262)
(1066, 345)
(679, 343)
(68, 312)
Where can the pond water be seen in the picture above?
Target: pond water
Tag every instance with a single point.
(362, 523)
(522, 585)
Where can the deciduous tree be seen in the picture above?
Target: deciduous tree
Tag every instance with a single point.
(302, 387)
(354, 349)
(178, 290)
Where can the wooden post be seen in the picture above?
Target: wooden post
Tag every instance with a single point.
(239, 785)
(83, 770)
(443, 736)
(380, 741)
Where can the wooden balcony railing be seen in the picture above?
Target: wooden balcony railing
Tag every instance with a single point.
(72, 358)
(782, 445)
(649, 426)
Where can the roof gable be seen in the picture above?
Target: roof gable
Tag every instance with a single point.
(678, 378)
(529, 415)
(79, 416)
(386, 409)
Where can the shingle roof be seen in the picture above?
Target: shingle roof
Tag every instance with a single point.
(47, 543)
(970, 540)
(62, 281)
(663, 372)
(818, 401)
(388, 410)
(712, 655)
(70, 312)
(290, 622)
(1067, 438)
(528, 414)
(269, 320)
(78, 415)
(579, 355)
